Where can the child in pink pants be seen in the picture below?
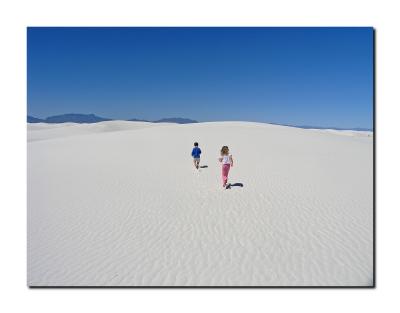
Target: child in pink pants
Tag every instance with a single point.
(227, 162)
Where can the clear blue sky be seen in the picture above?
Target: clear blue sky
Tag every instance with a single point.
(302, 76)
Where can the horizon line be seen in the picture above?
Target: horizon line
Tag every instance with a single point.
(303, 126)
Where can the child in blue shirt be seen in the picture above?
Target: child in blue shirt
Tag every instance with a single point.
(196, 155)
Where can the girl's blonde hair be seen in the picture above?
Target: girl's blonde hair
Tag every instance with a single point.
(224, 150)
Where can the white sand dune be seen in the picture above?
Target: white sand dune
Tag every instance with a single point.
(44, 131)
(120, 204)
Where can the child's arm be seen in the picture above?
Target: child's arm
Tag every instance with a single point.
(231, 159)
(220, 159)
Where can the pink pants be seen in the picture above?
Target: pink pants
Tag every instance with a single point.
(225, 172)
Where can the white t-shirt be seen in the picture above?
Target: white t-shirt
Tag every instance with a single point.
(226, 159)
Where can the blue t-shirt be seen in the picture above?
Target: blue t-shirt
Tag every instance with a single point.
(196, 152)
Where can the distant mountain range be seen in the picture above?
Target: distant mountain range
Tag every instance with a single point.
(91, 118)
(178, 120)
(32, 119)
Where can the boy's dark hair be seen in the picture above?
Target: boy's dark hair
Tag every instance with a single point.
(196, 144)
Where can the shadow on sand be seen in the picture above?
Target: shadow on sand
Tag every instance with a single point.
(229, 186)
(204, 166)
